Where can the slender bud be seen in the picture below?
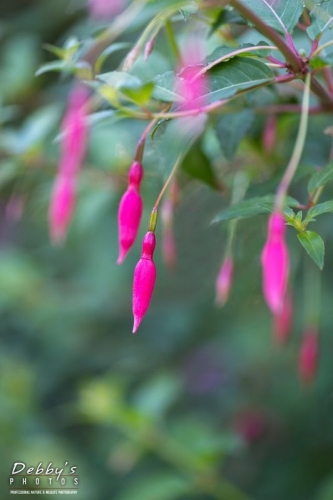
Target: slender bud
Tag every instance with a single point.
(149, 47)
(275, 263)
(75, 131)
(61, 208)
(269, 135)
(282, 322)
(224, 281)
(130, 212)
(192, 86)
(308, 356)
(144, 280)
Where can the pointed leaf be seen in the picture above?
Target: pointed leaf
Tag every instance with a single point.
(231, 128)
(321, 177)
(282, 15)
(322, 18)
(248, 208)
(197, 165)
(224, 51)
(314, 245)
(321, 208)
(237, 74)
(225, 80)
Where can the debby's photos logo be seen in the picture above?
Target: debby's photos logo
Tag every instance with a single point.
(43, 480)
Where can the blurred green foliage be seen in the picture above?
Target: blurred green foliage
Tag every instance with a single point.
(199, 399)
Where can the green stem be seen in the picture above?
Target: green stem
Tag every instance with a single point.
(173, 171)
(298, 149)
(115, 29)
(172, 41)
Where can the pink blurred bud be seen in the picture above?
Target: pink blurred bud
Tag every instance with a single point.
(275, 263)
(130, 212)
(269, 135)
(169, 248)
(251, 425)
(61, 208)
(224, 281)
(282, 322)
(149, 47)
(192, 86)
(75, 131)
(144, 280)
(14, 208)
(100, 9)
(308, 356)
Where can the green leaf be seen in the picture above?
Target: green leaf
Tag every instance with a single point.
(237, 74)
(197, 165)
(226, 17)
(282, 15)
(321, 177)
(165, 87)
(321, 17)
(248, 208)
(224, 50)
(174, 139)
(111, 49)
(119, 79)
(51, 66)
(314, 245)
(139, 95)
(231, 128)
(225, 80)
(321, 208)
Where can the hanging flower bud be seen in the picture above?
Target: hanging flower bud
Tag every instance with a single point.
(308, 356)
(149, 47)
(144, 280)
(224, 281)
(192, 85)
(275, 263)
(74, 132)
(130, 212)
(61, 208)
(73, 149)
(282, 322)
(269, 135)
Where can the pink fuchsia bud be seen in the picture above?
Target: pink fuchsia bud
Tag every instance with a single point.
(308, 356)
(282, 322)
(130, 212)
(144, 280)
(61, 208)
(149, 47)
(100, 9)
(269, 136)
(224, 281)
(192, 85)
(14, 208)
(75, 131)
(275, 263)
(169, 248)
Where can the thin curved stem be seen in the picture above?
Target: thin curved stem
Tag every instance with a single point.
(298, 149)
(230, 55)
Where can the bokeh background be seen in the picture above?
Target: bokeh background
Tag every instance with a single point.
(200, 395)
